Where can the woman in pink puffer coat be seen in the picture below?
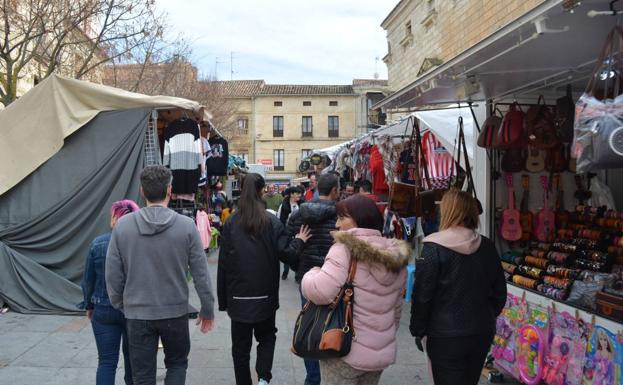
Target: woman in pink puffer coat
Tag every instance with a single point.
(379, 285)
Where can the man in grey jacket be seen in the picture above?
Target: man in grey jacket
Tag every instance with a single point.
(146, 265)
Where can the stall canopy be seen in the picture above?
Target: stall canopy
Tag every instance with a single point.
(442, 122)
(68, 149)
(34, 127)
(545, 49)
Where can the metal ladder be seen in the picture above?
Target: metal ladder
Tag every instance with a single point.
(152, 146)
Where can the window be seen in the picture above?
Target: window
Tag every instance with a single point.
(334, 126)
(307, 126)
(306, 103)
(306, 153)
(408, 28)
(278, 160)
(243, 125)
(278, 103)
(278, 126)
(333, 103)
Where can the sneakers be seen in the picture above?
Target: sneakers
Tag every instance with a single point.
(262, 382)
(284, 276)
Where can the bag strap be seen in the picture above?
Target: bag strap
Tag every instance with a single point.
(607, 50)
(346, 290)
(421, 158)
(468, 170)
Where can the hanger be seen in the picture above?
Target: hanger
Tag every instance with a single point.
(614, 11)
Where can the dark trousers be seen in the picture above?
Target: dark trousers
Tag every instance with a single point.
(143, 338)
(312, 367)
(109, 329)
(458, 360)
(242, 338)
(286, 269)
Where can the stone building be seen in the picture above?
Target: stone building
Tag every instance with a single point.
(423, 34)
(279, 125)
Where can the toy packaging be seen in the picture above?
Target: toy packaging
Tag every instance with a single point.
(604, 358)
(565, 357)
(504, 348)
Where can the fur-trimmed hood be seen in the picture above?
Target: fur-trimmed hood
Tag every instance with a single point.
(370, 246)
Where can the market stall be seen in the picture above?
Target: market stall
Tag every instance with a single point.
(552, 175)
(69, 149)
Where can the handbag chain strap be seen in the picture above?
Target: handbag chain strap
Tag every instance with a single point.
(420, 160)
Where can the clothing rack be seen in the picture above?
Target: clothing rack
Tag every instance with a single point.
(521, 104)
(611, 12)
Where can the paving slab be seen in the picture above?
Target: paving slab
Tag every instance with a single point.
(46, 349)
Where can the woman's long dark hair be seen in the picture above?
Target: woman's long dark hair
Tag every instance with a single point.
(251, 206)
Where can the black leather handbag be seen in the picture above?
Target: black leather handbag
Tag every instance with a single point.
(326, 331)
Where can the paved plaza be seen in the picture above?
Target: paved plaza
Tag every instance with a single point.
(46, 349)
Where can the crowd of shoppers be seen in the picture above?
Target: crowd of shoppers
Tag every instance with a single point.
(136, 289)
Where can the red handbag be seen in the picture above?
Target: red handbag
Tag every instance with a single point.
(511, 134)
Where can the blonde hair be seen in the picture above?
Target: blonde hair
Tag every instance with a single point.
(458, 208)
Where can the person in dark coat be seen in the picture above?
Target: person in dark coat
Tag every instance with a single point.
(253, 242)
(320, 215)
(291, 203)
(459, 291)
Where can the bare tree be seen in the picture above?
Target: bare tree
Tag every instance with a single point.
(73, 37)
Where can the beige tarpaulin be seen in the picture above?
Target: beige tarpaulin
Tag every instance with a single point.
(33, 128)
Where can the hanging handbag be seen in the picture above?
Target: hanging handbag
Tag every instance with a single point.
(511, 133)
(326, 331)
(598, 128)
(539, 122)
(565, 109)
(489, 133)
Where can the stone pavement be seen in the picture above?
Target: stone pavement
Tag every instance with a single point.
(45, 349)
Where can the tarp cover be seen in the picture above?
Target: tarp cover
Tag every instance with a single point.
(49, 219)
(33, 128)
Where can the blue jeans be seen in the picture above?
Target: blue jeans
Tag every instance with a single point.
(109, 329)
(312, 367)
(143, 339)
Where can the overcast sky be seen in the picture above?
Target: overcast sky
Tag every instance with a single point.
(284, 41)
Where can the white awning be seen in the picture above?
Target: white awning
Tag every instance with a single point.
(442, 122)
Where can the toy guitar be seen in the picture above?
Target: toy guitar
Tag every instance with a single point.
(557, 159)
(526, 217)
(535, 162)
(545, 218)
(511, 228)
(562, 215)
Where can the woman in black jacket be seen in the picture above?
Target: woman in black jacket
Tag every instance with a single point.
(459, 292)
(253, 242)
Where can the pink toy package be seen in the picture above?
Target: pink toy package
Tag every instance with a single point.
(604, 358)
(564, 358)
(504, 348)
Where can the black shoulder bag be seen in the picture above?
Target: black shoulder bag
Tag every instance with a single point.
(326, 331)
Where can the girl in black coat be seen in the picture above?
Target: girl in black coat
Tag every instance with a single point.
(253, 242)
(459, 292)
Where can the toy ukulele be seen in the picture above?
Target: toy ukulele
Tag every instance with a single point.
(511, 228)
(526, 217)
(545, 218)
(535, 162)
